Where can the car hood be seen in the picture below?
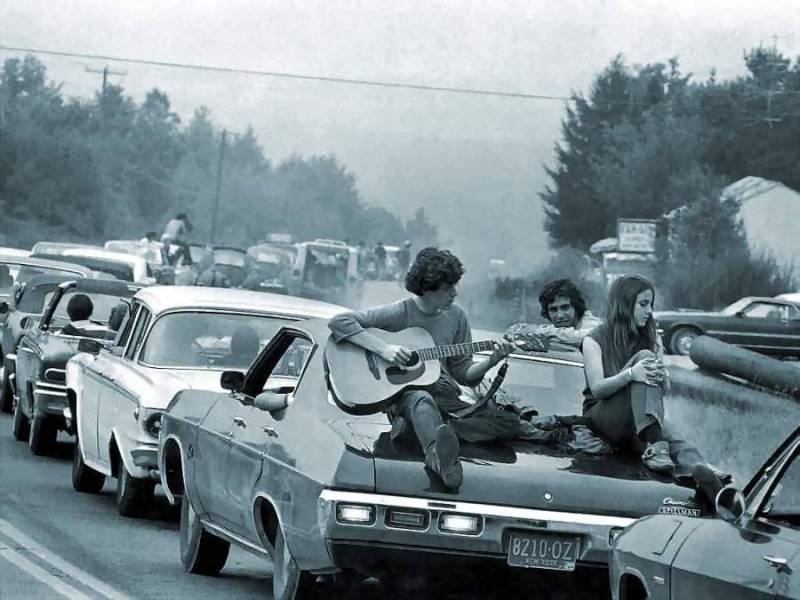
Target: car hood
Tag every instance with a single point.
(526, 475)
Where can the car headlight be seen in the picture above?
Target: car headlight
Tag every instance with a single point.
(355, 514)
(457, 523)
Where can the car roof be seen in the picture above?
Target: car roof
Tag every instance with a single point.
(32, 261)
(163, 298)
(103, 254)
(5, 250)
(775, 300)
(793, 297)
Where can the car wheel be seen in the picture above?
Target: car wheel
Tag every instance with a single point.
(133, 494)
(42, 436)
(288, 582)
(681, 340)
(202, 552)
(6, 394)
(22, 426)
(84, 478)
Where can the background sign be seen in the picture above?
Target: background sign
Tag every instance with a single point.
(636, 235)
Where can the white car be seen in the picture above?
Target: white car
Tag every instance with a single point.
(175, 338)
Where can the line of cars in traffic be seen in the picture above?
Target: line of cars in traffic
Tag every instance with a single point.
(221, 397)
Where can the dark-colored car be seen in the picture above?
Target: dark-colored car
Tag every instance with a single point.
(42, 354)
(25, 305)
(765, 325)
(276, 466)
(751, 550)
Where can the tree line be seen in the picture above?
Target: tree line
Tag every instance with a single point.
(107, 167)
(647, 142)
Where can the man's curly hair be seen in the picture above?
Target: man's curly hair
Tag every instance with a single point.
(566, 288)
(432, 269)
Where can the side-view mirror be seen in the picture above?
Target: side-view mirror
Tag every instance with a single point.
(730, 504)
(3, 307)
(232, 380)
(271, 401)
(89, 345)
(27, 323)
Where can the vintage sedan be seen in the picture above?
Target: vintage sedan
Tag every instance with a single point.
(176, 338)
(153, 252)
(765, 325)
(751, 550)
(278, 467)
(126, 267)
(43, 352)
(20, 312)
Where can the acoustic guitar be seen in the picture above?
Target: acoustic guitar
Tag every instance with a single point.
(361, 382)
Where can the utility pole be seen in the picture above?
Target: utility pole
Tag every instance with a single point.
(106, 72)
(219, 184)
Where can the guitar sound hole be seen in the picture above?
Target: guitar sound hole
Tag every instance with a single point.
(414, 360)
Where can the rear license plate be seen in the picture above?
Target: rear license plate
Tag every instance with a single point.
(543, 551)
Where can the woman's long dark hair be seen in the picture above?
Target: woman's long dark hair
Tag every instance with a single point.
(627, 339)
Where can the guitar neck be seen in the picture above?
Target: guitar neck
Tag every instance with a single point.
(449, 351)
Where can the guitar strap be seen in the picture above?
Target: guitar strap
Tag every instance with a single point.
(484, 400)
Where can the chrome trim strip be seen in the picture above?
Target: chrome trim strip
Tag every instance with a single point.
(486, 510)
(63, 372)
(754, 334)
(232, 537)
(46, 387)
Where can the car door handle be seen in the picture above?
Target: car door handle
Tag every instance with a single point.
(239, 421)
(778, 562)
(270, 431)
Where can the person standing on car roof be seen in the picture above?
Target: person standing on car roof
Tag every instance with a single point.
(432, 280)
(177, 232)
(563, 305)
(625, 384)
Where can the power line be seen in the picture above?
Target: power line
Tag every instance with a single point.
(296, 76)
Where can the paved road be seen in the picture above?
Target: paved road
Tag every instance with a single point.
(56, 543)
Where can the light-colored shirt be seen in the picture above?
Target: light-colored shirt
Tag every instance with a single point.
(449, 326)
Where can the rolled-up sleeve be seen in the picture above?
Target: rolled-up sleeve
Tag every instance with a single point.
(390, 317)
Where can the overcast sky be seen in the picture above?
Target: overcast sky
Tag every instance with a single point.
(456, 155)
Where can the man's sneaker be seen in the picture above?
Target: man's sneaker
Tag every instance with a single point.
(400, 429)
(442, 457)
(656, 457)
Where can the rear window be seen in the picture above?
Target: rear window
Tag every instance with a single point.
(551, 388)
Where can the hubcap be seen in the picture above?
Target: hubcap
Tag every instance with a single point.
(685, 344)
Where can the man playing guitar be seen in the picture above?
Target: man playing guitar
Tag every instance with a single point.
(432, 279)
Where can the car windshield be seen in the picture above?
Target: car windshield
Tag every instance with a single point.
(101, 312)
(552, 388)
(33, 300)
(209, 340)
(735, 307)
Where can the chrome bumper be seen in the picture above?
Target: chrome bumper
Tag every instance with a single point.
(146, 459)
(596, 533)
(50, 398)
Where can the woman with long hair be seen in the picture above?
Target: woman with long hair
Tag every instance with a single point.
(626, 381)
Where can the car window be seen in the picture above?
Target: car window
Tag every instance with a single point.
(783, 503)
(138, 333)
(549, 387)
(794, 312)
(102, 304)
(210, 340)
(762, 310)
(287, 356)
(127, 326)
